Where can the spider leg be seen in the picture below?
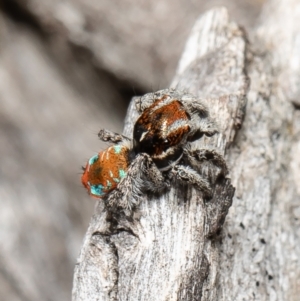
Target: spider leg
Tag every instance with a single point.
(111, 137)
(195, 106)
(201, 122)
(187, 175)
(201, 155)
(142, 176)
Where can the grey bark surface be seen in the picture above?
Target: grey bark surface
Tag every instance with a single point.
(174, 249)
(67, 68)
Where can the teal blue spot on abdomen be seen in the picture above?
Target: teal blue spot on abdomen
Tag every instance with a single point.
(122, 173)
(97, 190)
(93, 159)
(117, 148)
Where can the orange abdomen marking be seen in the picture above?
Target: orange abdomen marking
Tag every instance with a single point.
(104, 171)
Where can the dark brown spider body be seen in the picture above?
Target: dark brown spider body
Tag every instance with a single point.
(169, 119)
(161, 127)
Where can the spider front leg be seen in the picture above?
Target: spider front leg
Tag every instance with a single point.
(201, 122)
(142, 176)
(187, 175)
(195, 106)
(111, 137)
(198, 156)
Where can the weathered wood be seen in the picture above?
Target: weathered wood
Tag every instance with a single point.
(169, 251)
(172, 250)
(66, 69)
(260, 253)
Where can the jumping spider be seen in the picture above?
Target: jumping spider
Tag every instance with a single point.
(158, 154)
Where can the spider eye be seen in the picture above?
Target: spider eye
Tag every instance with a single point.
(166, 141)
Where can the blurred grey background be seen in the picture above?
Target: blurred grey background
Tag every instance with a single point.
(67, 69)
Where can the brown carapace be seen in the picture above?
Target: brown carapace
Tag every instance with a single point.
(161, 126)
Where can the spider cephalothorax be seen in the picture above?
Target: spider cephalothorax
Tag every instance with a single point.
(159, 153)
(161, 127)
(168, 120)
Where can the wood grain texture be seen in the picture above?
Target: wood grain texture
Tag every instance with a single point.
(67, 68)
(177, 248)
(260, 249)
(170, 250)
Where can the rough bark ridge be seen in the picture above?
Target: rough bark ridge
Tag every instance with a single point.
(261, 250)
(173, 249)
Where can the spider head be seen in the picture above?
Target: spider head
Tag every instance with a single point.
(162, 129)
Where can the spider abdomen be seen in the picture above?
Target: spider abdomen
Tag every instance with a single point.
(104, 171)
